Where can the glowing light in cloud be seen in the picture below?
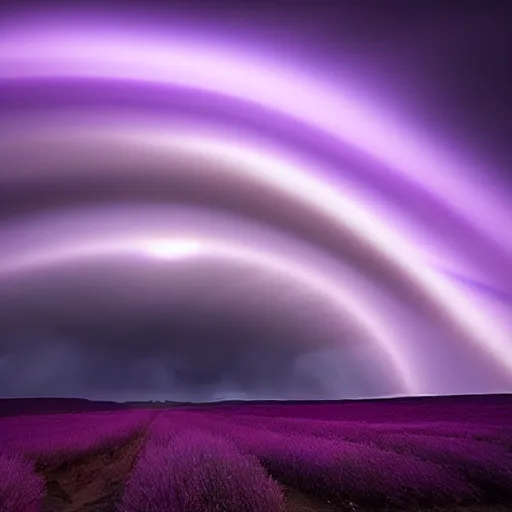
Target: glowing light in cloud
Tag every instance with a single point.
(172, 249)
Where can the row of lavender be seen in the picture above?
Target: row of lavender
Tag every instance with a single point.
(232, 458)
(30, 445)
(184, 467)
(417, 464)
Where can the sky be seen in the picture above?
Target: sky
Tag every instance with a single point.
(216, 200)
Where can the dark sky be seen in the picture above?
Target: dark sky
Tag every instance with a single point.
(445, 65)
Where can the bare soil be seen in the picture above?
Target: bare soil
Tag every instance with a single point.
(93, 483)
(298, 501)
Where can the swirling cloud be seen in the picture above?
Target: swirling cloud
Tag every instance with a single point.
(332, 200)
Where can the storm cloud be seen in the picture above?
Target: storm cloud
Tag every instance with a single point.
(187, 215)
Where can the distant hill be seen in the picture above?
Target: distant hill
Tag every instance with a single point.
(20, 406)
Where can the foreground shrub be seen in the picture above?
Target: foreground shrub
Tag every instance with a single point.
(197, 472)
(21, 490)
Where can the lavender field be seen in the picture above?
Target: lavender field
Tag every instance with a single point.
(431, 453)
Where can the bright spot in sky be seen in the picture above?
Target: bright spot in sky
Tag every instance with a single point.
(170, 249)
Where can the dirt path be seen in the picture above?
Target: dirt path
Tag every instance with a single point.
(297, 501)
(93, 483)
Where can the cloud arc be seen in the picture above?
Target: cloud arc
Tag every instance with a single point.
(26, 57)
